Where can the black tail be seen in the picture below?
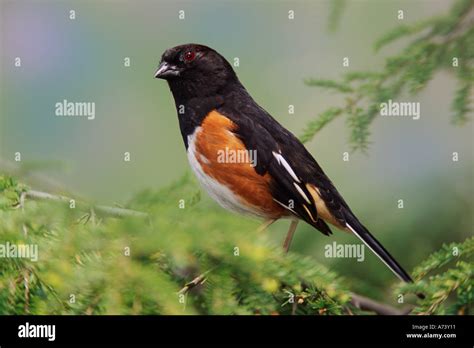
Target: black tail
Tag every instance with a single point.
(364, 235)
(373, 244)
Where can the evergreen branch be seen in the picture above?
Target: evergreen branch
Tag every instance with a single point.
(330, 84)
(358, 301)
(456, 282)
(401, 31)
(102, 209)
(316, 125)
(439, 288)
(448, 37)
(335, 13)
(88, 261)
(361, 75)
(446, 254)
(461, 103)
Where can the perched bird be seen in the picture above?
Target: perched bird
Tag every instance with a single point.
(221, 123)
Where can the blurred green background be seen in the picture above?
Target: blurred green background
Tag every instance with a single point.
(82, 60)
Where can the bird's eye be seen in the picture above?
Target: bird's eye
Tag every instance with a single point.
(189, 56)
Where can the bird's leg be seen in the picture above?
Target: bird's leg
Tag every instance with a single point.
(265, 225)
(289, 235)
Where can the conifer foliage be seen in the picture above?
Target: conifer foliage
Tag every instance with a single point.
(178, 263)
(441, 43)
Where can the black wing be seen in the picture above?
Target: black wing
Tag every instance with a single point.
(292, 167)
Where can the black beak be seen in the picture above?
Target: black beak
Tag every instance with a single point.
(166, 70)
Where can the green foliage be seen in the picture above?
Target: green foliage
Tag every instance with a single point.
(403, 30)
(450, 290)
(10, 192)
(316, 125)
(86, 259)
(335, 13)
(446, 254)
(461, 101)
(434, 44)
(329, 84)
(177, 262)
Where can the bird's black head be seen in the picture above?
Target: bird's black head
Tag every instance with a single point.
(194, 71)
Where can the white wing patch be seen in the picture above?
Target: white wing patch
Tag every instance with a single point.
(300, 190)
(282, 161)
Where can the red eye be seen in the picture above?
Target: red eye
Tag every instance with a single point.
(189, 56)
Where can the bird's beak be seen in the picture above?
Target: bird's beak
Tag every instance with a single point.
(165, 70)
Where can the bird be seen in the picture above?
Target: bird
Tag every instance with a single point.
(222, 126)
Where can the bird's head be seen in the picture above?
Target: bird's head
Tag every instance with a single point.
(194, 70)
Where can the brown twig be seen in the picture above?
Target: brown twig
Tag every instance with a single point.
(100, 209)
(193, 283)
(365, 303)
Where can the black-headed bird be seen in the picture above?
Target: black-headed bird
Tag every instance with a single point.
(222, 126)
